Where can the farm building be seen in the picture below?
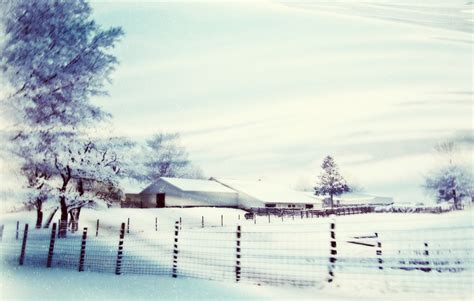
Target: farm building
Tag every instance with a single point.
(260, 194)
(358, 199)
(179, 192)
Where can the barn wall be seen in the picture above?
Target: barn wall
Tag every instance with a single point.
(132, 200)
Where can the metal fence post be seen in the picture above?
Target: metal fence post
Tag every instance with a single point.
(118, 264)
(156, 224)
(17, 228)
(128, 225)
(83, 250)
(333, 251)
(51, 246)
(97, 228)
(202, 221)
(23, 245)
(175, 250)
(237, 261)
(1, 232)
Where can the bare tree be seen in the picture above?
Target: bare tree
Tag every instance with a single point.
(452, 179)
(54, 57)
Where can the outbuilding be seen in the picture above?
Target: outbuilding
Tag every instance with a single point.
(261, 194)
(359, 199)
(179, 192)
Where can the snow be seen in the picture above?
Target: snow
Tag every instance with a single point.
(197, 185)
(42, 284)
(273, 253)
(360, 198)
(268, 192)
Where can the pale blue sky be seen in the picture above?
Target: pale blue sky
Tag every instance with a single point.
(265, 90)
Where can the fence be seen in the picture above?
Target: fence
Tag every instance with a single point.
(352, 255)
(311, 213)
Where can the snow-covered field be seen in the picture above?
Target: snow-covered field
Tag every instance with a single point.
(423, 255)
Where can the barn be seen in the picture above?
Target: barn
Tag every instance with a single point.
(261, 194)
(179, 192)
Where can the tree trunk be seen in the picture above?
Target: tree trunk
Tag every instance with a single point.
(50, 218)
(39, 213)
(63, 223)
(39, 218)
(455, 199)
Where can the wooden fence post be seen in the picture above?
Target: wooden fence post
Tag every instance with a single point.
(237, 259)
(426, 253)
(175, 250)
(118, 264)
(51, 246)
(83, 250)
(97, 228)
(17, 228)
(333, 251)
(23, 245)
(378, 252)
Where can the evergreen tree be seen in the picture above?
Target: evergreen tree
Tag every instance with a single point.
(330, 181)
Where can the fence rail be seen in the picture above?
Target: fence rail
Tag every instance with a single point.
(437, 260)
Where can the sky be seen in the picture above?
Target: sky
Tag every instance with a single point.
(265, 90)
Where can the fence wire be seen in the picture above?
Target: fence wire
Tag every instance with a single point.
(435, 260)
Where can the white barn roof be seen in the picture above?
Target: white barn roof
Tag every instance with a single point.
(197, 185)
(359, 198)
(268, 192)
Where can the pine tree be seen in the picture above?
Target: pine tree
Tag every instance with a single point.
(330, 181)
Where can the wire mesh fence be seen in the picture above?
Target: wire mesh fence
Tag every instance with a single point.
(356, 255)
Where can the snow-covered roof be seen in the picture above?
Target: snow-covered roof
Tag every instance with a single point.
(268, 192)
(131, 186)
(361, 198)
(197, 185)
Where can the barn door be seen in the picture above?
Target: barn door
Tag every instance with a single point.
(160, 200)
